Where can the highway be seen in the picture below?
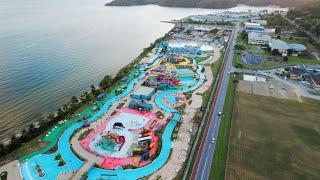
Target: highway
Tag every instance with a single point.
(204, 157)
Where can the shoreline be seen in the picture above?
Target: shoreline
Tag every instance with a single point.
(116, 78)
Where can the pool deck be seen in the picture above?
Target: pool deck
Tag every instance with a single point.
(90, 158)
(13, 170)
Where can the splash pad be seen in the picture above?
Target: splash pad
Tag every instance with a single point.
(125, 139)
(174, 100)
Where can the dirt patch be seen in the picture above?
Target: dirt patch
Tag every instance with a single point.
(271, 88)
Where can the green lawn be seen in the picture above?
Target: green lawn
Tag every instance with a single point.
(201, 59)
(218, 166)
(274, 139)
(215, 67)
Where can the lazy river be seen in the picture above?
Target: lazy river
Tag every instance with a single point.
(50, 167)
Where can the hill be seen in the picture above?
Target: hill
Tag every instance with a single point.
(307, 17)
(214, 4)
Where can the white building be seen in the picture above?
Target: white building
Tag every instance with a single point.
(258, 38)
(259, 21)
(253, 27)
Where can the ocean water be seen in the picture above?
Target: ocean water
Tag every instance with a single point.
(51, 50)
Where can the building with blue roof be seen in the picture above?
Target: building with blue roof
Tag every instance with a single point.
(143, 93)
(297, 48)
(140, 105)
(254, 27)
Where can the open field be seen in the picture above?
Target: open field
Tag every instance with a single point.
(274, 139)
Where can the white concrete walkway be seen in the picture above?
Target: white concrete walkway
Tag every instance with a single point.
(13, 169)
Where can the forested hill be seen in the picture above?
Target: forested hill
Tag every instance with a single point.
(209, 3)
(307, 17)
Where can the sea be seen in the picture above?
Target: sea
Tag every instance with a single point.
(51, 50)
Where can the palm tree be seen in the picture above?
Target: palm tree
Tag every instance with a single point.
(86, 96)
(14, 142)
(24, 134)
(105, 82)
(2, 149)
(32, 130)
(74, 100)
(93, 89)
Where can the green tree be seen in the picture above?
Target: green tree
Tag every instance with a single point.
(244, 35)
(93, 89)
(214, 31)
(74, 100)
(105, 82)
(2, 149)
(278, 30)
(275, 52)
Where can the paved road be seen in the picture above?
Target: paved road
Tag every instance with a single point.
(201, 169)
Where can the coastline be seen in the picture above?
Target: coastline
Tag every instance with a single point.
(116, 3)
(74, 117)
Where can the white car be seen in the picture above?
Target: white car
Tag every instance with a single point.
(219, 113)
(213, 140)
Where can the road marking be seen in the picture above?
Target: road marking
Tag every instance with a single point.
(205, 164)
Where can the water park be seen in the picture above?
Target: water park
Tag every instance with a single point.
(129, 135)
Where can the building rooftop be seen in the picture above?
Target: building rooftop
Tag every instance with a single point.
(251, 24)
(143, 90)
(278, 44)
(259, 36)
(297, 47)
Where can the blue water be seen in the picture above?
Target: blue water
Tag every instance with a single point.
(50, 167)
(51, 50)
(172, 99)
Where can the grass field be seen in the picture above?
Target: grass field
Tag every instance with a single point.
(201, 59)
(274, 139)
